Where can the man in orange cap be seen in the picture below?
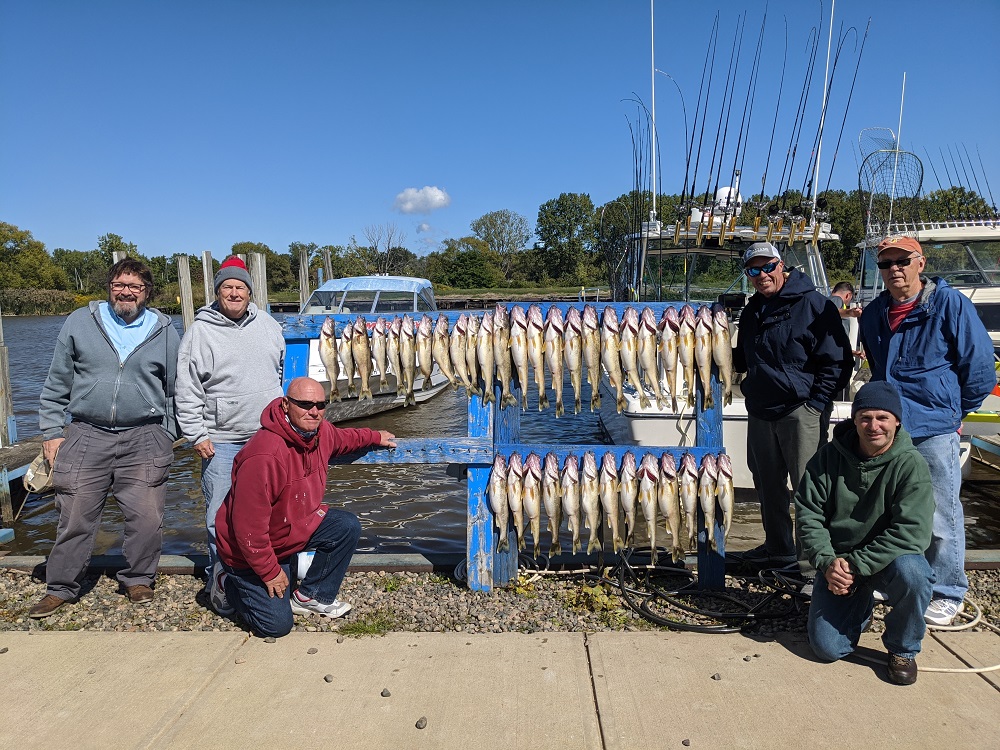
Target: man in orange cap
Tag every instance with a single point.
(927, 340)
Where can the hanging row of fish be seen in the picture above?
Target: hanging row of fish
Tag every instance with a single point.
(582, 490)
(500, 344)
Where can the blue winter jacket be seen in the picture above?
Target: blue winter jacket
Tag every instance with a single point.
(940, 358)
(793, 348)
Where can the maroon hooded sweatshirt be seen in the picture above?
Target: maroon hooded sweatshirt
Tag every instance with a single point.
(276, 501)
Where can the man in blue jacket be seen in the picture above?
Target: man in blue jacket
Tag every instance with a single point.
(925, 338)
(796, 356)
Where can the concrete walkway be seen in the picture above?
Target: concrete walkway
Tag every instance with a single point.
(558, 690)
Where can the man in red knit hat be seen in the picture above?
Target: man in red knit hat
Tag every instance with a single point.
(275, 509)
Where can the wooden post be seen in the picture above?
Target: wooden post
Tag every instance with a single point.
(117, 255)
(327, 265)
(303, 276)
(8, 427)
(208, 272)
(258, 275)
(184, 286)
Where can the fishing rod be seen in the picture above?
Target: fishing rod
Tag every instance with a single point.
(979, 191)
(687, 156)
(962, 215)
(748, 104)
(933, 169)
(713, 47)
(951, 183)
(964, 171)
(986, 180)
(847, 107)
(727, 109)
(793, 143)
(774, 128)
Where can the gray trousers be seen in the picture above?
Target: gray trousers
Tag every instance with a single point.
(777, 452)
(132, 464)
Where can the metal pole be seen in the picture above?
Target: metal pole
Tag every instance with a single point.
(8, 428)
(208, 272)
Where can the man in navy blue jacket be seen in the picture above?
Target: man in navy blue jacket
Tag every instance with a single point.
(796, 356)
(925, 338)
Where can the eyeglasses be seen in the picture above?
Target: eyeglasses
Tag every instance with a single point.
(307, 405)
(118, 286)
(753, 273)
(885, 265)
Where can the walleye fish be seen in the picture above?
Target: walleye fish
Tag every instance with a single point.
(457, 351)
(648, 354)
(630, 352)
(328, 355)
(628, 490)
(519, 349)
(610, 497)
(551, 501)
(649, 478)
(669, 327)
(515, 493)
(592, 354)
(536, 352)
(707, 490)
(484, 352)
(726, 491)
(380, 343)
(408, 357)
(347, 357)
(722, 353)
(611, 345)
(471, 364)
(362, 349)
(498, 501)
(570, 481)
(531, 496)
(440, 350)
(501, 354)
(703, 353)
(590, 500)
(554, 331)
(425, 349)
(670, 506)
(573, 353)
(392, 352)
(687, 481)
(685, 350)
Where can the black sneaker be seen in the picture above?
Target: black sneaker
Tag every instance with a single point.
(760, 557)
(902, 670)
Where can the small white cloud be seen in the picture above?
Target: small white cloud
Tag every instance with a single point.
(423, 227)
(422, 201)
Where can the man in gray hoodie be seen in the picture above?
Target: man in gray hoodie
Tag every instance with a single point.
(228, 369)
(112, 373)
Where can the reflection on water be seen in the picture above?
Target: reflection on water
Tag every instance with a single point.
(404, 508)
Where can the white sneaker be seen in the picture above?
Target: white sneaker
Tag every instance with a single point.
(217, 592)
(943, 612)
(303, 606)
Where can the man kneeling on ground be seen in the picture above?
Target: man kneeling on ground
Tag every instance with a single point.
(275, 509)
(864, 511)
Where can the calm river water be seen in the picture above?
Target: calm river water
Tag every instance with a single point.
(415, 508)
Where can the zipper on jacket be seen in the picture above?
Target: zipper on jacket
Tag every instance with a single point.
(121, 363)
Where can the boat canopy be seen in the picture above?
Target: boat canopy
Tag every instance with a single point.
(372, 294)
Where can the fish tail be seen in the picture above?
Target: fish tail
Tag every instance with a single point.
(427, 383)
(676, 553)
(690, 398)
(708, 402)
(503, 545)
(643, 399)
(366, 393)
(509, 399)
(455, 384)
(524, 401)
(559, 408)
(537, 549)
(410, 399)
(727, 397)
(543, 400)
(489, 397)
(334, 393)
(594, 545)
(621, 403)
(520, 542)
(595, 399)
(673, 402)
(555, 549)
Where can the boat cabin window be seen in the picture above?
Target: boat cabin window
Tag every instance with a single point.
(964, 263)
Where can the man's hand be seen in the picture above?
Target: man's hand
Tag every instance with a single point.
(277, 585)
(839, 577)
(851, 312)
(205, 449)
(386, 439)
(50, 448)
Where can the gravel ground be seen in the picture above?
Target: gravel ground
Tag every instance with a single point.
(423, 602)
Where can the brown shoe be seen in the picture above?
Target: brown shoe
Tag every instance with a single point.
(139, 594)
(47, 606)
(902, 671)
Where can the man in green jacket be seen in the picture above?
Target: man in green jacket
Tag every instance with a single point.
(864, 511)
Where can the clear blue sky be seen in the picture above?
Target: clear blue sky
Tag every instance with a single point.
(187, 126)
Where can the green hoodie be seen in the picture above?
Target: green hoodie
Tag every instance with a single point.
(867, 511)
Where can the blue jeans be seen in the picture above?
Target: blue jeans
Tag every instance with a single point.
(947, 551)
(836, 622)
(216, 479)
(334, 540)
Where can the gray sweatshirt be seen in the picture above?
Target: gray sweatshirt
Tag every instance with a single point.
(87, 380)
(227, 373)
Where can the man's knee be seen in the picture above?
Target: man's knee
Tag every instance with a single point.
(273, 625)
(913, 571)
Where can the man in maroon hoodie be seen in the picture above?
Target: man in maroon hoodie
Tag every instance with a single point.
(275, 509)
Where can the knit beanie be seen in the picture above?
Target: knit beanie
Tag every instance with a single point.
(233, 268)
(878, 394)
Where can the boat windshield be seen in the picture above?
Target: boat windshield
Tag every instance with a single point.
(382, 302)
(968, 263)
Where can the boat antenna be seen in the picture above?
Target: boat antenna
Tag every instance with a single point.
(687, 155)
(652, 104)
(812, 173)
(847, 107)
(713, 46)
(986, 180)
(895, 164)
(774, 128)
(734, 64)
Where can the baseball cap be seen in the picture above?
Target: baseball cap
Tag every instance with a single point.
(901, 242)
(760, 250)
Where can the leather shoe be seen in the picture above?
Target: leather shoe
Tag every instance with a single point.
(47, 606)
(902, 671)
(139, 594)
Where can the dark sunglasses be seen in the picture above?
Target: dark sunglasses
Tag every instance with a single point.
(307, 405)
(885, 265)
(753, 273)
